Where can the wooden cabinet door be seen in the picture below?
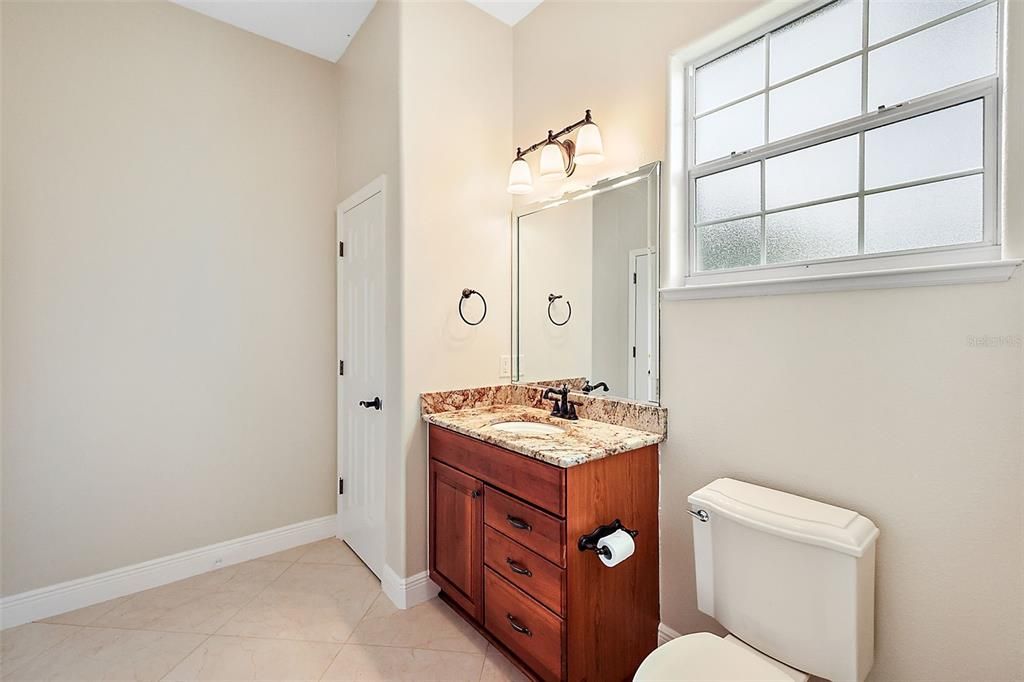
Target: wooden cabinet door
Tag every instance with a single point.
(456, 536)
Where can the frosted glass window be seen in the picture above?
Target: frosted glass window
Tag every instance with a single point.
(733, 129)
(947, 141)
(821, 37)
(730, 77)
(729, 245)
(937, 214)
(793, 163)
(819, 172)
(817, 100)
(954, 52)
(730, 193)
(889, 18)
(812, 233)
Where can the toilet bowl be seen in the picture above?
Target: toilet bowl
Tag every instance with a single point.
(704, 657)
(792, 580)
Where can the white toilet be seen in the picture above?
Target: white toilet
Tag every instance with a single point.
(792, 579)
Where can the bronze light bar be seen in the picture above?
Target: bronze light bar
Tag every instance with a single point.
(558, 159)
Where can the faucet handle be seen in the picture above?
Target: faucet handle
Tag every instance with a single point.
(572, 411)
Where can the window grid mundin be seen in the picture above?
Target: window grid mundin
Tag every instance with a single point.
(794, 222)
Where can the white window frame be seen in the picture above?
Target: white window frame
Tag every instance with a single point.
(933, 265)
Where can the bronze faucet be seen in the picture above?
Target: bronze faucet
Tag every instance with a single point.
(562, 408)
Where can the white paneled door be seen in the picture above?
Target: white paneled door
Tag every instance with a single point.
(362, 405)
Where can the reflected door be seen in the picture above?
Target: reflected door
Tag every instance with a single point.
(641, 376)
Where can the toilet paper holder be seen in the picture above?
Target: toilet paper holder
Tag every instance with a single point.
(590, 540)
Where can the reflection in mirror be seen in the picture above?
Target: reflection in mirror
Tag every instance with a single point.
(585, 294)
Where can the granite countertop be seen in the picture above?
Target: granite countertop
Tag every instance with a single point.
(583, 441)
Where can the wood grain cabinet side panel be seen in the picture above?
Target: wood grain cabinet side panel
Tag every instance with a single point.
(612, 609)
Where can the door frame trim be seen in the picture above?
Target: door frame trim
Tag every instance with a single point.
(378, 185)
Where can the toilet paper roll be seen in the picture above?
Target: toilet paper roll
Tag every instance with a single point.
(620, 544)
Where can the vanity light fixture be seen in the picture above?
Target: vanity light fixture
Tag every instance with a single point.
(520, 179)
(589, 147)
(558, 159)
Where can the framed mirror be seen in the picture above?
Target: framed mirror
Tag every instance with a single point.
(585, 273)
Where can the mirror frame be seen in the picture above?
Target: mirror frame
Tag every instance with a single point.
(651, 172)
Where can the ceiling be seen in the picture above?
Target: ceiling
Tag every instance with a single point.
(322, 28)
(509, 11)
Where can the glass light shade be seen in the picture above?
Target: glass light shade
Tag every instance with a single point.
(589, 149)
(552, 163)
(520, 179)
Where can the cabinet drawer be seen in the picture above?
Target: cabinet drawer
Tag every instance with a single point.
(526, 525)
(539, 483)
(532, 632)
(527, 570)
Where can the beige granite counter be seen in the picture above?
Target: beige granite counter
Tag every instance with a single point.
(618, 411)
(583, 440)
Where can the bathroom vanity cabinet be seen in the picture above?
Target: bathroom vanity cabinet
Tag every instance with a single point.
(504, 529)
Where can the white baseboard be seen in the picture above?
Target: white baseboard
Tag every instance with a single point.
(76, 594)
(666, 634)
(406, 593)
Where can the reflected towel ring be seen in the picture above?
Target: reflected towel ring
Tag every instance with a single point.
(466, 293)
(551, 300)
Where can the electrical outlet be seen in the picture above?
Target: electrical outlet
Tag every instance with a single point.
(505, 370)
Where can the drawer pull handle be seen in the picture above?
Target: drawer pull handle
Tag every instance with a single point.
(517, 522)
(518, 567)
(517, 626)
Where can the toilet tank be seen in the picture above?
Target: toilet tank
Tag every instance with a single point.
(791, 577)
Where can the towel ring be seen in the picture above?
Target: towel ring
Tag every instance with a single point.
(466, 293)
(551, 301)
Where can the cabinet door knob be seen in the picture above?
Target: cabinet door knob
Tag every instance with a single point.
(518, 567)
(517, 522)
(517, 626)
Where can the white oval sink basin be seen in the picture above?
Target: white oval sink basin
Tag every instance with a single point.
(528, 428)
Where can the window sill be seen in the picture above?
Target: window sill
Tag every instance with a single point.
(932, 275)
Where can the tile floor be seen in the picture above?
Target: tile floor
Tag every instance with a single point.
(309, 613)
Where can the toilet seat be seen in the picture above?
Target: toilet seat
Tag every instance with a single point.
(704, 657)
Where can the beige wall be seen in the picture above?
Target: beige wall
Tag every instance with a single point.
(426, 98)
(456, 76)
(872, 400)
(168, 286)
(558, 248)
(368, 146)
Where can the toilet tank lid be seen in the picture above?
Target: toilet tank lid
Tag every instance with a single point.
(790, 516)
